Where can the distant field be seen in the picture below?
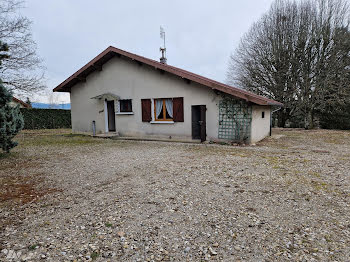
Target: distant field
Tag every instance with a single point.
(67, 197)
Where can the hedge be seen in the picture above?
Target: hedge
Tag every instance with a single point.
(35, 118)
(335, 121)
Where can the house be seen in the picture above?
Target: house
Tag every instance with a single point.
(134, 96)
(15, 101)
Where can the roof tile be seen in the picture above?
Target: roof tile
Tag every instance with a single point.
(111, 51)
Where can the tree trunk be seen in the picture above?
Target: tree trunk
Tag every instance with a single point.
(312, 119)
(308, 119)
(282, 118)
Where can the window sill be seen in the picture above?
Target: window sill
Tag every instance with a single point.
(162, 122)
(124, 113)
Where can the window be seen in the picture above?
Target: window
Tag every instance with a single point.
(169, 110)
(125, 105)
(163, 109)
(263, 114)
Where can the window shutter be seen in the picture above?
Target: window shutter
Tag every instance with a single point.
(146, 110)
(178, 109)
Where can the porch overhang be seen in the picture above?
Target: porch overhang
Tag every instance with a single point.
(107, 96)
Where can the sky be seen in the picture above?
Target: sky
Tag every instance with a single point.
(200, 35)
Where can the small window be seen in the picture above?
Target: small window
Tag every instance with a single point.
(263, 114)
(163, 109)
(125, 105)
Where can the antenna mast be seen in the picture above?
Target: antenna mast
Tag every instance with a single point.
(163, 49)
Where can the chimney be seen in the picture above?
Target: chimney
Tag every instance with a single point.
(163, 58)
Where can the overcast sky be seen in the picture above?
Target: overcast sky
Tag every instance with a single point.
(200, 35)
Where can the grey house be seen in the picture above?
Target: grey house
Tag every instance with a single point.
(134, 96)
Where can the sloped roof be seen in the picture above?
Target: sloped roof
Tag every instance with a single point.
(107, 54)
(18, 101)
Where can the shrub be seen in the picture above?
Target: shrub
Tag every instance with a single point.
(35, 118)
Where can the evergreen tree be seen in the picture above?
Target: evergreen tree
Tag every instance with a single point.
(11, 120)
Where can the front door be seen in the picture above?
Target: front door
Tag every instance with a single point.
(111, 116)
(203, 123)
(199, 122)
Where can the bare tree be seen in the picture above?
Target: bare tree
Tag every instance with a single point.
(22, 71)
(289, 55)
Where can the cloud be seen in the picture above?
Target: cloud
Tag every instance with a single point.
(200, 35)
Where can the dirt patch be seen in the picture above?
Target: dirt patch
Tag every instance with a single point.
(17, 190)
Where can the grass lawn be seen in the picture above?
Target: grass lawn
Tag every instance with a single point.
(66, 197)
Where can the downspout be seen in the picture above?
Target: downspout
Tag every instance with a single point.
(93, 128)
(106, 115)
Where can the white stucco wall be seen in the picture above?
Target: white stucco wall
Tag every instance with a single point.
(129, 80)
(14, 104)
(260, 127)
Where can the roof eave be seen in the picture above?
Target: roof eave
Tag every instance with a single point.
(111, 51)
(276, 104)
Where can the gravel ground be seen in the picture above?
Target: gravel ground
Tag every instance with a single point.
(75, 198)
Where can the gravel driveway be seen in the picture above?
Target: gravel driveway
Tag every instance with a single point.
(74, 198)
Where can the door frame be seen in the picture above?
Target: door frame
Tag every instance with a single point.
(106, 116)
(202, 121)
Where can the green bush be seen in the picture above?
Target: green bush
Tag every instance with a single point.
(35, 118)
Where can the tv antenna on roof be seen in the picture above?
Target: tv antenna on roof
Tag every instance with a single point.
(163, 49)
